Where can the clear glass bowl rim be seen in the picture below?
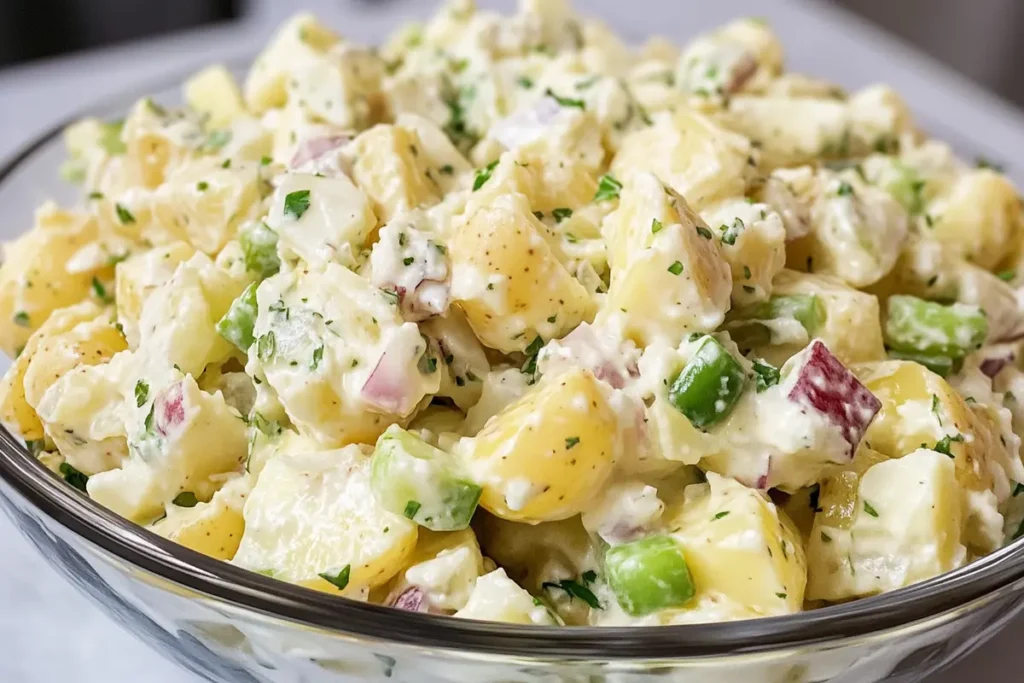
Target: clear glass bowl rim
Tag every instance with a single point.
(140, 548)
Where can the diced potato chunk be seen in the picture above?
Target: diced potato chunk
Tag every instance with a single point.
(919, 407)
(314, 514)
(35, 279)
(497, 598)
(181, 439)
(438, 577)
(204, 204)
(337, 353)
(390, 164)
(738, 544)
(753, 240)
(301, 40)
(214, 528)
(905, 528)
(507, 280)
(320, 220)
(15, 409)
(139, 276)
(214, 93)
(691, 154)
(979, 218)
(542, 458)
(678, 257)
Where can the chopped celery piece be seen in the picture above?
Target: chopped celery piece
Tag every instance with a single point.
(707, 388)
(409, 477)
(649, 575)
(236, 325)
(914, 325)
(747, 324)
(259, 247)
(940, 365)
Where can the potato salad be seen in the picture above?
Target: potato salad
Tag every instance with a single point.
(508, 320)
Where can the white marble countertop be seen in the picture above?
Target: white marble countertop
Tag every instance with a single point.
(50, 633)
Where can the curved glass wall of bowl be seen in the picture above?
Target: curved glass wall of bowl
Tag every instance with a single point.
(231, 625)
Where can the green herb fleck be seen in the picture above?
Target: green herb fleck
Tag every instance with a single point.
(656, 226)
(100, 291)
(21, 319)
(676, 268)
(561, 214)
(141, 392)
(484, 174)
(123, 214)
(186, 499)
(607, 188)
(565, 101)
(870, 510)
(704, 232)
(411, 508)
(266, 346)
(575, 590)
(571, 441)
(720, 515)
(74, 477)
(340, 579)
(318, 356)
(765, 375)
(296, 203)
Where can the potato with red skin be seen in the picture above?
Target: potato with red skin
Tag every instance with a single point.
(826, 385)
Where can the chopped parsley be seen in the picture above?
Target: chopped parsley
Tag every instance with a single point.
(561, 214)
(340, 579)
(318, 356)
(845, 189)
(781, 596)
(101, 292)
(1006, 275)
(943, 445)
(607, 188)
(656, 226)
(870, 510)
(525, 82)
(411, 508)
(202, 186)
(982, 162)
(95, 195)
(571, 441)
(123, 214)
(746, 272)
(565, 101)
(296, 203)
(408, 261)
(676, 268)
(575, 590)
(391, 295)
(704, 232)
(825, 538)
(266, 161)
(266, 346)
(765, 375)
(483, 175)
(589, 576)
(447, 169)
(21, 319)
(141, 393)
(731, 232)
(186, 499)
(720, 515)
(73, 476)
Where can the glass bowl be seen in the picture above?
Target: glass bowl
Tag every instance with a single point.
(230, 625)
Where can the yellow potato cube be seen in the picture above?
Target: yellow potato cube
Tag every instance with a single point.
(508, 281)
(214, 93)
(979, 218)
(390, 165)
(690, 153)
(204, 204)
(314, 514)
(680, 259)
(35, 279)
(335, 226)
(15, 410)
(905, 528)
(301, 40)
(739, 545)
(496, 597)
(139, 276)
(440, 574)
(542, 458)
(919, 408)
(214, 528)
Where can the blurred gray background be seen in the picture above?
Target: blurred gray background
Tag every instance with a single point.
(982, 39)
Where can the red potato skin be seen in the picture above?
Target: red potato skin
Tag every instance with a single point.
(170, 410)
(314, 148)
(826, 385)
